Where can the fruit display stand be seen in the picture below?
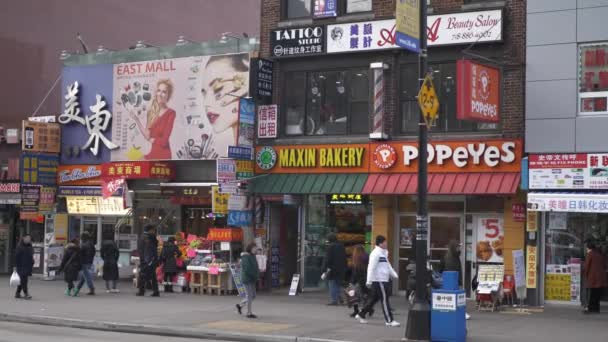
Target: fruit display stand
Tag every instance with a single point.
(210, 269)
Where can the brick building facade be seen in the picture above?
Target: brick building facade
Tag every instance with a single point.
(327, 101)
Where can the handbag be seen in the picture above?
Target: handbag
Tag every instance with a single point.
(15, 279)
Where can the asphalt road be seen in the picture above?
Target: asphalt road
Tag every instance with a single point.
(15, 332)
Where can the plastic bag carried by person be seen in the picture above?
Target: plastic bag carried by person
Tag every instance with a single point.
(15, 279)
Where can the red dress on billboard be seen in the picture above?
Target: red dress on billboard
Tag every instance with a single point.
(160, 131)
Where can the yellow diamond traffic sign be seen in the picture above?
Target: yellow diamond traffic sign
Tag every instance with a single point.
(428, 101)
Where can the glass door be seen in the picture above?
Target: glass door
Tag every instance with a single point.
(443, 229)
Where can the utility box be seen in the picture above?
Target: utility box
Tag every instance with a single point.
(448, 311)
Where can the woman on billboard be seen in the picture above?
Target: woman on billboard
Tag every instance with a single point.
(225, 81)
(160, 121)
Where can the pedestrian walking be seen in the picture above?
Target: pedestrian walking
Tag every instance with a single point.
(249, 276)
(335, 265)
(24, 262)
(168, 256)
(71, 265)
(110, 255)
(595, 276)
(360, 260)
(87, 256)
(148, 261)
(379, 272)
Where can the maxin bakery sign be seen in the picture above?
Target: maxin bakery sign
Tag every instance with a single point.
(312, 158)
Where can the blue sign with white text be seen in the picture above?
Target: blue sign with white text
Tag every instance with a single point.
(239, 218)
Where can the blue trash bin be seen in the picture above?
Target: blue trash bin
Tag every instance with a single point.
(448, 311)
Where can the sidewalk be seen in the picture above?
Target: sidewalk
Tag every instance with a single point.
(280, 316)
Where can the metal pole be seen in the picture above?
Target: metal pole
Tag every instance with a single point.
(419, 318)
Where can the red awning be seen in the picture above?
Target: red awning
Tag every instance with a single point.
(499, 183)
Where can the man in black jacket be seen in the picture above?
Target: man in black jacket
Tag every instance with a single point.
(87, 256)
(24, 262)
(334, 267)
(148, 260)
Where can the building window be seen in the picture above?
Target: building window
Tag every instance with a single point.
(319, 8)
(298, 8)
(327, 102)
(444, 80)
(593, 79)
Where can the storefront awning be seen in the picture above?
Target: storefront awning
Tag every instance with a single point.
(498, 183)
(309, 184)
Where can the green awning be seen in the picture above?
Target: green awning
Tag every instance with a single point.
(325, 183)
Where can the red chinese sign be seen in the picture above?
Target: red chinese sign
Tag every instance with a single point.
(478, 89)
(138, 170)
(550, 161)
(229, 234)
(518, 211)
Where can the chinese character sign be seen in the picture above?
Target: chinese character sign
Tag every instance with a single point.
(87, 114)
(267, 121)
(41, 137)
(294, 42)
(178, 109)
(363, 36)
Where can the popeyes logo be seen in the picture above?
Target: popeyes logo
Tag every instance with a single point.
(384, 156)
(450, 156)
(478, 89)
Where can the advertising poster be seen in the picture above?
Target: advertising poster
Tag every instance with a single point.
(219, 201)
(226, 175)
(557, 286)
(408, 25)
(41, 137)
(246, 122)
(490, 239)
(519, 265)
(598, 171)
(531, 267)
(558, 171)
(39, 168)
(178, 109)
(30, 199)
(325, 8)
(478, 89)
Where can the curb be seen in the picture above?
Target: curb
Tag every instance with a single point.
(156, 330)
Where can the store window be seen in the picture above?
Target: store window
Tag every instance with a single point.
(444, 80)
(294, 9)
(327, 103)
(593, 79)
(298, 8)
(348, 218)
(565, 236)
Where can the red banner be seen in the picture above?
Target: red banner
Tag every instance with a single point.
(138, 170)
(478, 89)
(228, 234)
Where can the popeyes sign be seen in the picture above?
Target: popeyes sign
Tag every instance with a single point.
(478, 89)
(449, 156)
